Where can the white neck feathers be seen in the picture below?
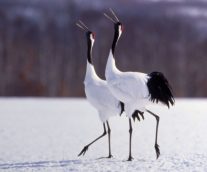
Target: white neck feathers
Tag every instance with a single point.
(90, 73)
(111, 69)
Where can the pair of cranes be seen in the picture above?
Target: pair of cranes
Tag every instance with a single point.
(122, 91)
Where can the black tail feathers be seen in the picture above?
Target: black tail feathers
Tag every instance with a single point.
(159, 89)
(122, 107)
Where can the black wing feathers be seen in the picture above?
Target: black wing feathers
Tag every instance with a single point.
(159, 89)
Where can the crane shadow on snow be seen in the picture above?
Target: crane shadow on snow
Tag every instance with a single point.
(56, 164)
(39, 164)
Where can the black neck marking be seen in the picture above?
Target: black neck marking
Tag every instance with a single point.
(89, 51)
(116, 37)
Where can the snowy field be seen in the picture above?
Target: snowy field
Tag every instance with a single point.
(47, 135)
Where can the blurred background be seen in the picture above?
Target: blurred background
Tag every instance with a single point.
(43, 53)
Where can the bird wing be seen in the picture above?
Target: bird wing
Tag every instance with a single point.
(100, 96)
(106, 99)
(130, 86)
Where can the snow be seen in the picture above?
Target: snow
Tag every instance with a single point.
(47, 135)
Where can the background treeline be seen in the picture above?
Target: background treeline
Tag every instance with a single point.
(43, 53)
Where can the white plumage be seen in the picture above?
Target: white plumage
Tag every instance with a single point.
(98, 93)
(128, 87)
(135, 89)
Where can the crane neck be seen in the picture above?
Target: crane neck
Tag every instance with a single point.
(90, 75)
(111, 70)
(89, 50)
(115, 40)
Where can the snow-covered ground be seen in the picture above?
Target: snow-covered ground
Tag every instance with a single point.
(47, 135)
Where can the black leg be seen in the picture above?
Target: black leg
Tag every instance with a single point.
(130, 140)
(87, 146)
(109, 138)
(156, 145)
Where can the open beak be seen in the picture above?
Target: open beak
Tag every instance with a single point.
(82, 26)
(114, 19)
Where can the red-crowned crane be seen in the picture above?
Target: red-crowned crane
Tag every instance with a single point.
(135, 89)
(97, 92)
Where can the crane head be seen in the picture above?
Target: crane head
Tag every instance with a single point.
(118, 26)
(89, 34)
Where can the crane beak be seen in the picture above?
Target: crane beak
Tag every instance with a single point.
(113, 13)
(82, 26)
(113, 17)
(108, 17)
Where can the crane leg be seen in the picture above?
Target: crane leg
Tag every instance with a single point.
(87, 146)
(109, 139)
(157, 149)
(130, 140)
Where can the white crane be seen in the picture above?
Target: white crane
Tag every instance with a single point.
(135, 89)
(97, 92)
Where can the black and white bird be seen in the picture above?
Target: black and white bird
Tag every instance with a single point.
(97, 92)
(135, 89)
